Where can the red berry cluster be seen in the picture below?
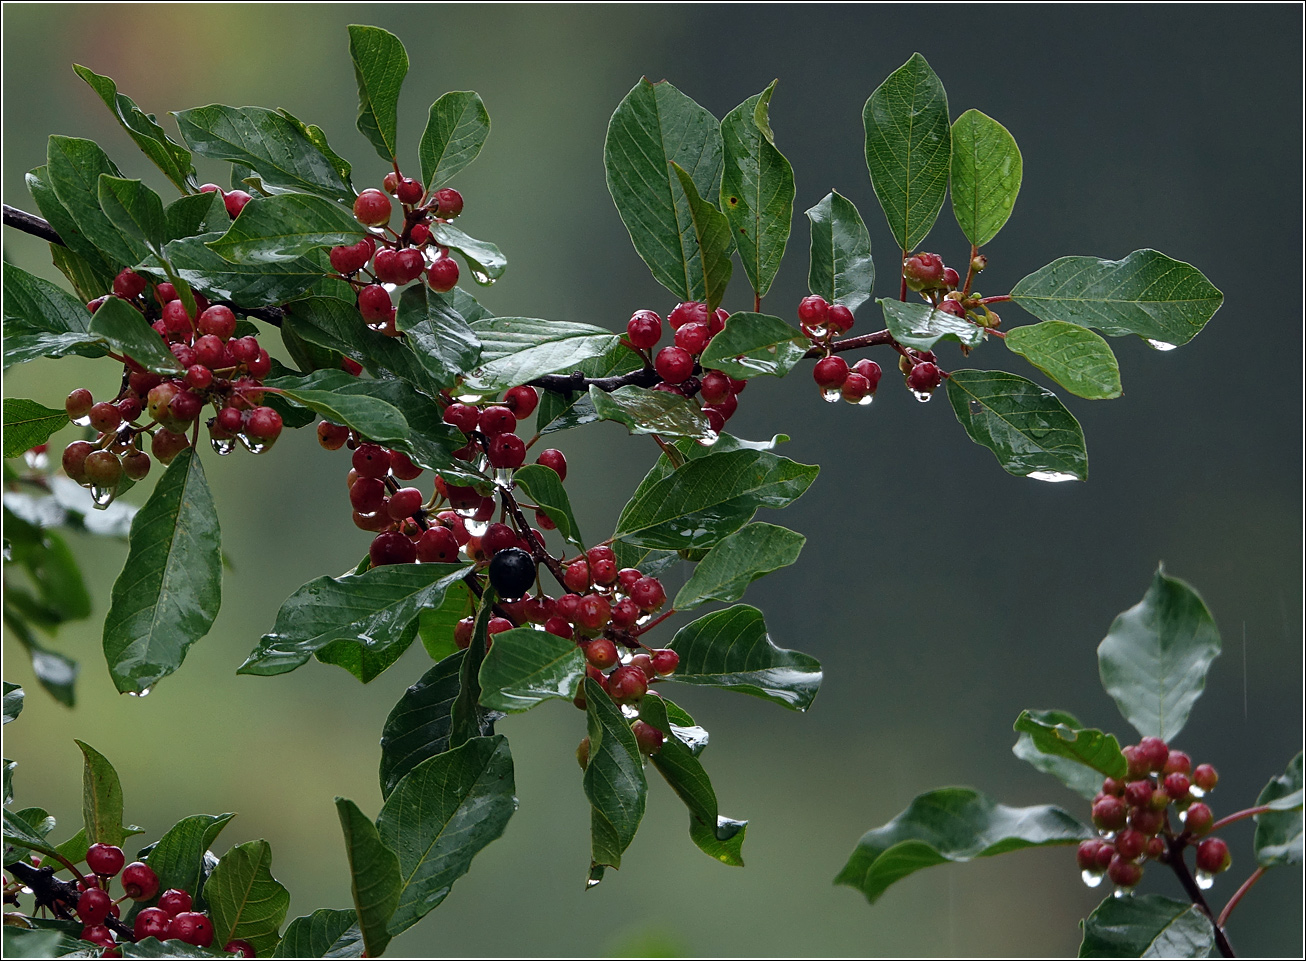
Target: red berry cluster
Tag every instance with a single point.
(941, 285)
(220, 370)
(395, 258)
(1132, 816)
(695, 326)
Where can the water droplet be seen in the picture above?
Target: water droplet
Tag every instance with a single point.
(27, 890)
(251, 445)
(476, 528)
(1195, 791)
(503, 477)
(1051, 476)
(465, 512)
(1183, 815)
(102, 497)
(467, 398)
(819, 332)
(864, 401)
(1161, 345)
(709, 438)
(1204, 879)
(142, 693)
(1091, 878)
(976, 407)
(1122, 892)
(923, 395)
(593, 881)
(36, 461)
(831, 395)
(629, 711)
(83, 421)
(223, 447)
(482, 278)
(1107, 835)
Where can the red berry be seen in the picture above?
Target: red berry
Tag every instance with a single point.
(79, 403)
(1205, 778)
(559, 627)
(855, 388)
(235, 201)
(1155, 848)
(151, 923)
(404, 502)
(165, 445)
(176, 318)
(462, 633)
(391, 547)
(390, 182)
(950, 277)
(387, 267)
(923, 271)
(217, 320)
(1146, 820)
(462, 416)
(346, 259)
(673, 364)
(577, 576)
(592, 613)
(139, 881)
(626, 578)
(690, 312)
(841, 318)
(192, 927)
(199, 377)
(1136, 762)
(522, 401)
(644, 663)
(1155, 751)
(402, 466)
(409, 191)
(93, 905)
(554, 460)
(648, 594)
(1139, 793)
(507, 451)
(1123, 872)
(103, 469)
(230, 421)
(624, 614)
(185, 406)
(164, 292)
(241, 949)
(1130, 843)
(627, 684)
(568, 606)
(443, 274)
(419, 234)
(813, 311)
(924, 377)
(128, 284)
(372, 207)
(714, 387)
(437, 545)
(371, 460)
(644, 329)
(693, 338)
(1086, 855)
(647, 737)
(830, 372)
(1176, 786)
(1198, 818)
(717, 321)
(495, 420)
(870, 370)
(1177, 762)
(1213, 856)
(374, 304)
(603, 571)
(105, 417)
(264, 424)
(130, 407)
(601, 653)
(498, 537)
(1109, 813)
(175, 901)
(665, 661)
(449, 201)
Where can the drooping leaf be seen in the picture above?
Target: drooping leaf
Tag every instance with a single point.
(1028, 429)
(170, 157)
(127, 331)
(40, 820)
(380, 65)
(921, 326)
(731, 649)
(1079, 777)
(650, 412)
(1075, 357)
(317, 137)
(952, 824)
(101, 799)
(250, 285)
(485, 260)
(456, 129)
(466, 715)
(178, 858)
(55, 672)
(841, 268)
(525, 667)
(18, 832)
(909, 149)
(439, 337)
(1165, 301)
(13, 702)
(1279, 833)
(543, 488)
(74, 166)
(43, 320)
(92, 267)
(1051, 733)
(169, 591)
(28, 424)
(373, 875)
(245, 901)
(710, 234)
(436, 625)
(281, 228)
(195, 214)
(370, 416)
(753, 344)
(986, 172)
(653, 127)
(134, 209)
(326, 933)
(614, 779)
(1154, 660)
(738, 560)
(1146, 926)
(375, 611)
(441, 815)
(515, 350)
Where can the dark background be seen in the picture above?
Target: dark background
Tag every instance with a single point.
(941, 594)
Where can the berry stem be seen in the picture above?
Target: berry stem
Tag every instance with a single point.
(1175, 858)
(881, 338)
(1240, 815)
(653, 623)
(1000, 299)
(1238, 895)
(757, 302)
(537, 547)
(970, 271)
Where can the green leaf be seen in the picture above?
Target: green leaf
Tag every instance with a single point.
(486, 261)
(710, 497)
(195, 214)
(250, 285)
(753, 344)
(651, 412)
(1077, 776)
(327, 932)
(757, 190)
(13, 702)
(712, 238)
(1146, 926)
(172, 948)
(40, 820)
(376, 611)
(1154, 660)
(1028, 429)
(28, 424)
(267, 143)
(178, 858)
(170, 157)
(456, 129)
(841, 269)
(738, 560)
(909, 149)
(952, 824)
(127, 331)
(101, 798)
(38, 942)
(441, 815)
(169, 591)
(317, 137)
(562, 411)
(134, 209)
(921, 326)
(1166, 302)
(1051, 733)
(1075, 357)
(1279, 833)
(55, 672)
(653, 127)
(281, 228)
(986, 170)
(370, 416)
(466, 716)
(21, 834)
(515, 350)
(731, 649)
(43, 320)
(245, 901)
(374, 876)
(614, 779)
(75, 848)
(97, 271)
(543, 488)
(436, 625)
(380, 65)
(74, 167)
(88, 279)
(442, 341)
(525, 667)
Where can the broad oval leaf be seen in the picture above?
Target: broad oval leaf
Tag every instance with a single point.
(134, 209)
(563, 411)
(954, 824)
(614, 779)
(986, 172)
(13, 702)
(169, 591)
(29, 424)
(738, 560)
(841, 269)
(126, 330)
(1165, 301)
(317, 137)
(437, 624)
(283, 227)
(1051, 733)
(178, 858)
(245, 901)
(1028, 429)
(380, 65)
(370, 416)
(441, 815)
(43, 320)
(170, 157)
(543, 487)
(195, 214)
(753, 344)
(456, 129)
(250, 285)
(921, 326)
(711, 236)
(486, 261)
(515, 350)
(1153, 661)
(1079, 777)
(373, 876)
(81, 258)
(74, 166)
(326, 933)
(525, 667)
(1279, 833)
(1146, 926)
(908, 149)
(437, 335)
(651, 412)
(1075, 357)
(101, 798)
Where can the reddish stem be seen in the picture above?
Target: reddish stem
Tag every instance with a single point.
(653, 623)
(970, 269)
(1000, 299)
(1240, 815)
(902, 292)
(1238, 895)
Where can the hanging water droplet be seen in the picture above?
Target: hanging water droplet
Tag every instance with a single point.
(482, 278)
(865, 401)
(251, 445)
(1183, 815)
(467, 398)
(831, 395)
(1051, 476)
(26, 890)
(592, 882)
(976, 407)
(102, 497)
(503, 477)
(466, 512)
(923, 395)
(1091, 878)
(629, 711)
(476, 528)
(83, 421)
(1195, 791)
(1107, 835)
(819, 332)
(223, 447)
(1122, 892)
(141, 693)
(1161, 345)
(709, 438)
(1204, 879)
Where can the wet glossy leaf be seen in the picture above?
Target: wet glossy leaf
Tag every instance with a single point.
(380, 65)
(87, 279)
(13, 701)
(1146, 926)
(1079, 777)
(650, 412)
(437, 334)
(515, 350)
(28, 424)
(725, 842)
(841, 268)
(908, 149)
(456, 129)
(727, 570)
(43, 320)
(921, 326)
(710, 234)
(169, 591)
(195, 214)
(1052, 733)
(38, 942)
(376, 610)
(757, 190)
(436, 625)
(170, 157)
(370, 416)
(250, 285)
(1028, 429)
(986, 172)
(486, 261)
(731, 649)
(1165, 301)
(441, 815)
(281, 228)
(74, 166)
(127, 331)
(245, 901)
(614, 778)
(466, 715)
(134, 209)
(562, 411)
(753, 344)
(317, 137)
(172, 948)
(525, 667)
(543, 488)
(92, 267)
(326, 933)
(1154, 660)
(101, 798)
(1075, 357)
(55, 672)
(952, 824)
(654, 126)
(18, 832)
(374, 876)
(1279, 833)
(178, 858)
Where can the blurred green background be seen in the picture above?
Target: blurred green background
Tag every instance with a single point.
(941, 594)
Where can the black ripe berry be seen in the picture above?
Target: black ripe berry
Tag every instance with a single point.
(512, 572)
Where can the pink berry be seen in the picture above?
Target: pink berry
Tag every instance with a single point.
(1110, 813)
(1155, 751)
(1177, 762)
(601, 653)
(1204, 777)
(1124, 872)
(665, 661)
